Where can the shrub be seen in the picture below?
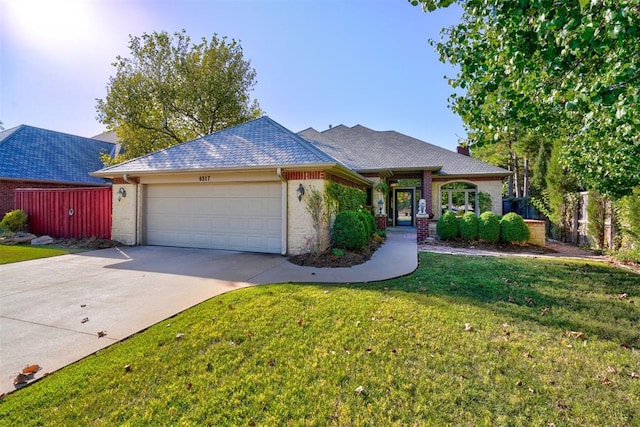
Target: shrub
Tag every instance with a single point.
(348, 231)
(513, 228)
(489, 227)
(368, 221)
(447, 226)
(469, 226)
(14, 221)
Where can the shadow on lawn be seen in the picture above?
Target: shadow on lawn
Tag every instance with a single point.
(585, 297)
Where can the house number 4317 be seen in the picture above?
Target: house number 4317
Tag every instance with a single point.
(205, 178)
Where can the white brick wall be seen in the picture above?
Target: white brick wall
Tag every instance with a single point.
(299, 223)
(123, 224)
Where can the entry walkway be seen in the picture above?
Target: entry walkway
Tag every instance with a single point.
(398, 256)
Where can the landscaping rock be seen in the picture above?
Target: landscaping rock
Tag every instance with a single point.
(14, 239)
(42, 240)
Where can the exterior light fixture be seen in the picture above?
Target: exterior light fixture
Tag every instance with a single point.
(300, 192)
(122, 193)
(380, 204)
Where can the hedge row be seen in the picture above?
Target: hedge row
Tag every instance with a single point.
(488, 227)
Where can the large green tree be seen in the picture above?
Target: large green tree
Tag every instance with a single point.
(170, 90)
(566, 70)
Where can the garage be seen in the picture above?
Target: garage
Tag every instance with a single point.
(232, 216)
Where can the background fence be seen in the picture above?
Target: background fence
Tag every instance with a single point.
(67, 212)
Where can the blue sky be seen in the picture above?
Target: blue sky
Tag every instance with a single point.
(318, 62)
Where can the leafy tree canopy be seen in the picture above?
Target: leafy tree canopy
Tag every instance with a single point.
(170, 90)
(563, 69)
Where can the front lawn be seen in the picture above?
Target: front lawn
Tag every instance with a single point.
(462, 341)
(17, 253)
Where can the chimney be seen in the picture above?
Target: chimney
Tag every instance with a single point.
(464, 150)
(330, 126)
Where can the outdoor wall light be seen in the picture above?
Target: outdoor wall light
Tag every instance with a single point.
(300, 192)
(122, 193)
(380, 204)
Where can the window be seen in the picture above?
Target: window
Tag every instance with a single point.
(459, 197)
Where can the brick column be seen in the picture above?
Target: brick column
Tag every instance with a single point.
(426, 190)
(381, 222)
(422, 223)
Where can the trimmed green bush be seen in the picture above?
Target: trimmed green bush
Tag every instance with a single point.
(368, 221)
(447, 226)
(489, 227)
(469, 226)
(513, 228)
(14, 221)
(348, 231)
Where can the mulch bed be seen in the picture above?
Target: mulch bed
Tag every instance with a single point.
(328, 259)
(88, 243)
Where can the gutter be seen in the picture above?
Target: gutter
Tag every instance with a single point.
(284, 234)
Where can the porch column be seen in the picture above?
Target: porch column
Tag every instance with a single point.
(426, 190)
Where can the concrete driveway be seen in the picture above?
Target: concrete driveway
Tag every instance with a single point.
(44, 303)
(120, 291)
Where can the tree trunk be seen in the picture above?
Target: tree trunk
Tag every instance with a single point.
(516, 175)
(525, 178)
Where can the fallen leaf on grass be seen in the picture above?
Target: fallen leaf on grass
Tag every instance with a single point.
(468, 327)
(625, 345)
(369, 350)
(359, 389)
(528, 300)
(623, 295)
(179, 336)
(127, 368)
(300, 321)
(635, 376)
(611, 369)
(545, 311)
(574, 334)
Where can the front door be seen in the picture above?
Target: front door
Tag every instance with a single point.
(404, 206)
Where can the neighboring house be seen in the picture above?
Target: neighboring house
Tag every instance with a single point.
(38, 158)
(241, 188)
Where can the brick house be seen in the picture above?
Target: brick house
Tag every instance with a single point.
(40, 158)
(243, 188)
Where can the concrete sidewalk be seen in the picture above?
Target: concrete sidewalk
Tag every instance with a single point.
(397, 257)
(52, 309)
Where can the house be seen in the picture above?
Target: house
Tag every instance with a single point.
(35, 157)
(243, 188)
(413, 170)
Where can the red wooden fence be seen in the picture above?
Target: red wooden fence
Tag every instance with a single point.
(67, 212)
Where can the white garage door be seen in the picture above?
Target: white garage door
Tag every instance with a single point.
(242, 217)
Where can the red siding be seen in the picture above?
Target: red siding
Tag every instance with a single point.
(48, 211)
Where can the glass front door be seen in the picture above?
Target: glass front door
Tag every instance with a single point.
(404, 206)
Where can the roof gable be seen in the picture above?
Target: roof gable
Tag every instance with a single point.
(258, 143)
(365, 150)
(35, 154)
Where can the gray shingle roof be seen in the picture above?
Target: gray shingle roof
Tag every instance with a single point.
(257, 143)
(363, 149)
(34, 154)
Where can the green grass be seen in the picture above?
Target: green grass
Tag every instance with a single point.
(552, 341)
(17, 253)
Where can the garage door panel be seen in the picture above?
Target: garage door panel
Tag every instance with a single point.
(245, 217)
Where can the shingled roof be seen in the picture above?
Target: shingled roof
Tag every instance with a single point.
(33, 154)
(366, 150)
(258, 143)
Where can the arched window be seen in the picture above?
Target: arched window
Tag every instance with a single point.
(459, 197)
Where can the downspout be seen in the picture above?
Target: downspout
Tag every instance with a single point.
(284, 222)
(136, 219)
